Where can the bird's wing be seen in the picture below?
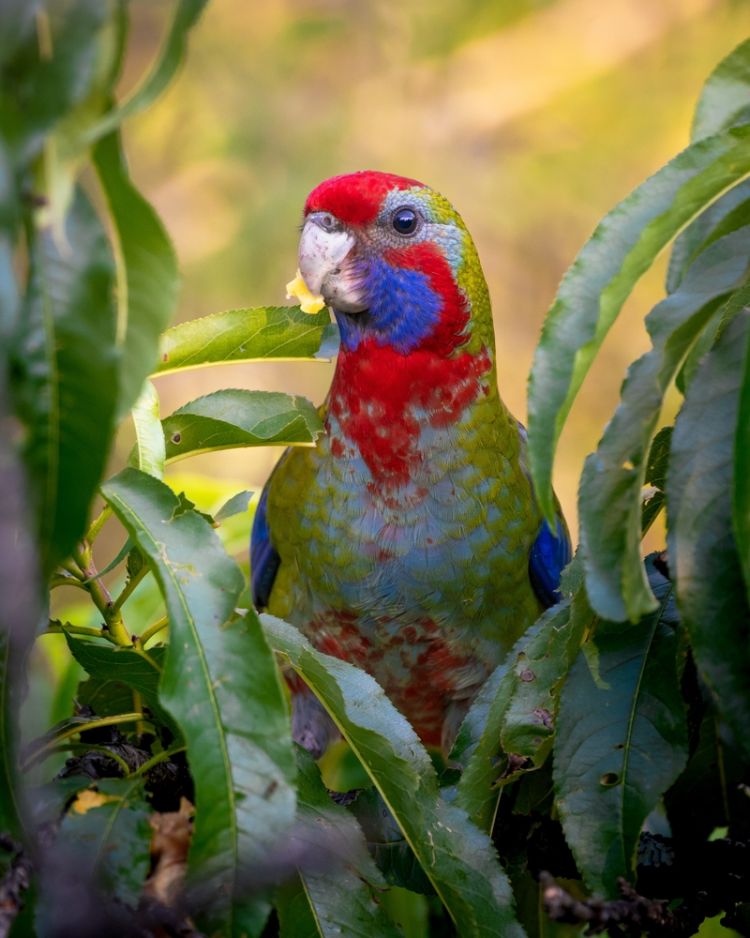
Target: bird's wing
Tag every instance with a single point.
(264, 560)
(550, 553)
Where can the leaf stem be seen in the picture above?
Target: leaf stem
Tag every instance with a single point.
(155, 760)
(130, 586)
(81, 728)
(100, 595)
(55, 627)
(98, 523)
(153, 630)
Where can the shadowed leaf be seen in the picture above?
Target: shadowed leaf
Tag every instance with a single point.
(221, 684)
(621, 704)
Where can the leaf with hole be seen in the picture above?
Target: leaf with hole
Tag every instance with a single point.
(621, 739)
(234, 418)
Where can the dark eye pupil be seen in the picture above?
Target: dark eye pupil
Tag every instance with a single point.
(405, 221)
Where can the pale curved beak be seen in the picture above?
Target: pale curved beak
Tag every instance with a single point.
(326, 264)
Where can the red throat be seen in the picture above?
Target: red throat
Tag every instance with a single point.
(376, 391)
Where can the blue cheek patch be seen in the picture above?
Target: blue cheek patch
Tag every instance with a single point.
(404, 310)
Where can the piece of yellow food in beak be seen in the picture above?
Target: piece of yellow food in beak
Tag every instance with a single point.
(297, 289)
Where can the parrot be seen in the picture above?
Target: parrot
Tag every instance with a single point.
(407, 540)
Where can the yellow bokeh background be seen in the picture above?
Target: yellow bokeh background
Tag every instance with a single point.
(534, 118)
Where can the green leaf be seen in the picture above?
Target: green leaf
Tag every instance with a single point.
(509, 726)
(609, 502)
(238, 504)
(597, 284)
(221, 684)
(161, 72)
(65, 378)
(340, 884)
(741, 482)
(147, 272)
(621, 739)
(48, 69)
(458, 859)
(240, 335)
(722, 217)
(232, 418)
(703, 553)
(150, 449)
(725, 98)
(11, 803)
(137, 670)
(657, 465)
(111, 842)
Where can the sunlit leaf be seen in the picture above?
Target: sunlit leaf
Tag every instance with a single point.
(238, 335)
(595, 287)
(150, 450)
(703, 552)
(621, 739)
(609, 500)
(725, 97)
(233, 417)
(458, 859)
(221, 684)
(65, 380)
(147, 272)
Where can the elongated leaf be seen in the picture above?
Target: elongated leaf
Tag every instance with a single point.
(339, 888)
(621, 739)
(509, 727)
(221, 684)
(594, 289)
(48, 70)
(110, 842)
(723, 216)
(65, 380)
(147, 272)
(162, 71)
(609, 500)
(239, 335)
(656, 477)
(150, 449)
(703, 554)
(232, 418)
(458, 859)
(725, 98)
(741, 483)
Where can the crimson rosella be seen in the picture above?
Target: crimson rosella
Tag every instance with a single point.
(408, 540)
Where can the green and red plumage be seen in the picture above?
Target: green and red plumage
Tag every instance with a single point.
(408, 540)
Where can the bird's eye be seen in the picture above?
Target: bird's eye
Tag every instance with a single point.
(328, 222)
(405, 221)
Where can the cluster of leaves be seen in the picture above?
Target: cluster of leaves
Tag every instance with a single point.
(613, 708)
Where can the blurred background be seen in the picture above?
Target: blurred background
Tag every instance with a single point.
(534, 117)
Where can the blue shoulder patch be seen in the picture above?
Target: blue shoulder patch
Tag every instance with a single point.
(264, 561)
(550, 553)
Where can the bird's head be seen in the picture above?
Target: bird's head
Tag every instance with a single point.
(394, 261)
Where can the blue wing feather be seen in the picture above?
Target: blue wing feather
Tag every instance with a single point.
(550, 553)
(264, 561)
